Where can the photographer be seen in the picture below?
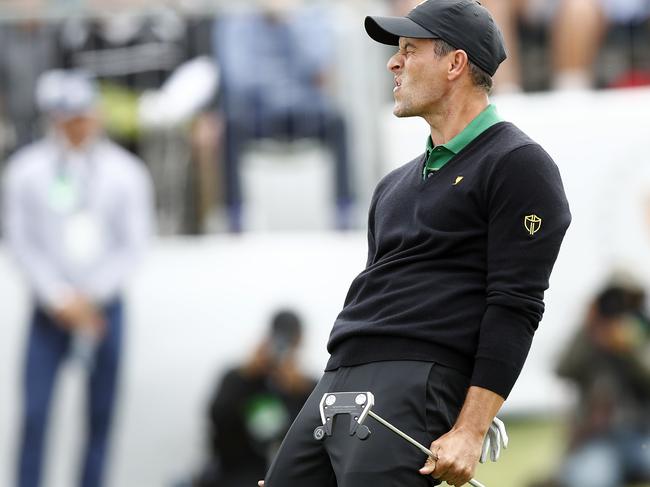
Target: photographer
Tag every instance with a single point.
(609, 362)
(254, 406)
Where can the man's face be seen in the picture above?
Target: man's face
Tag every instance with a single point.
(78, 130)
(420, 77)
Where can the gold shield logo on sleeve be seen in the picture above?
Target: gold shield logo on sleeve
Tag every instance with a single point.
(532, 223)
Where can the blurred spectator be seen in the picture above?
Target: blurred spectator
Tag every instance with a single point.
(609, 362)
(178, 116)
(507, 14)
(254, 406)
(29, 48)
(577, 31)
(127, 52)
(77, 219)
(275, 63)
(131, 52)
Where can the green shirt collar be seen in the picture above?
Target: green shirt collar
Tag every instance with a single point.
(444, 152)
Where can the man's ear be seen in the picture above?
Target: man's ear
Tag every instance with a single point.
(457, 64)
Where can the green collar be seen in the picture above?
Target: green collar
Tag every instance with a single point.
(439, 155)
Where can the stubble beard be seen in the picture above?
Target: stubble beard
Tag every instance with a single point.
(415, 106)
(403, 110)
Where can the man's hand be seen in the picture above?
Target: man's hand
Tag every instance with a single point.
(459, 450)
(77, 312)
(260, 483)
(258, 364)
(288, 376)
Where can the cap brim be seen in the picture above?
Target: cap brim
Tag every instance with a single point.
(388, 30)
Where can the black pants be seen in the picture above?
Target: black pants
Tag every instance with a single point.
(423, 399)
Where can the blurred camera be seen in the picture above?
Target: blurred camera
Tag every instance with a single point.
(286, 330)
(617, 300)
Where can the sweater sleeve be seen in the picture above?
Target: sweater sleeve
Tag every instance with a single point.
(528, 215)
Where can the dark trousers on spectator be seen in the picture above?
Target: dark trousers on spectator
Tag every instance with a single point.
(423, 399)
(48, 346)
(324, 125)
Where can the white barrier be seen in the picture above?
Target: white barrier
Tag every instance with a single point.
(287, 186)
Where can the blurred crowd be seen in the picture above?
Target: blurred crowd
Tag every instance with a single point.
(188, 94)
(192, 93)
(114, 125)
(608, 363)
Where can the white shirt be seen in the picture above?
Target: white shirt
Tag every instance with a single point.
(76, 221)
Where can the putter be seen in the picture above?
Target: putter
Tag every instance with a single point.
(358, 405)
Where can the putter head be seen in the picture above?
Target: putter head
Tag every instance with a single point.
(355, 404)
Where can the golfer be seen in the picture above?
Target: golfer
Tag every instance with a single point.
(461, 244)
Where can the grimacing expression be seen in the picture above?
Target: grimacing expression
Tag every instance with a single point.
(419, 77)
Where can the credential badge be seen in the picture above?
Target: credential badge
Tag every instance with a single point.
(532, 223)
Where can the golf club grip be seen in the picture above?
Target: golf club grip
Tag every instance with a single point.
(420, 446)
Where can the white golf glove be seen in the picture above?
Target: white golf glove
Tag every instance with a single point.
(495, 438)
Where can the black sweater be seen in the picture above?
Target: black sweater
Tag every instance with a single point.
(453, 274)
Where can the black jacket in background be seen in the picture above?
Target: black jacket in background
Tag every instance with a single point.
(241, 454)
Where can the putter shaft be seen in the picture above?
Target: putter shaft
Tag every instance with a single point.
(415, 443)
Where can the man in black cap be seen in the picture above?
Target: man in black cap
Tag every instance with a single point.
(461, 244)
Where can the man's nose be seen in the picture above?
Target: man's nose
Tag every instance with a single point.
(394, 63)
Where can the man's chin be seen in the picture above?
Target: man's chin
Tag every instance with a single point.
(401, 113)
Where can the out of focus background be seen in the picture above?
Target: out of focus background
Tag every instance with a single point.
(265, 125)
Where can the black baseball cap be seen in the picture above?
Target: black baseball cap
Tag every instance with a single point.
(464, 24)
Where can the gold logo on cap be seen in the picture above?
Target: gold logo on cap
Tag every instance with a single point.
(458, 180)
(532, 223)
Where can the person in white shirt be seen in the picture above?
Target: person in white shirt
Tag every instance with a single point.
(78, 214)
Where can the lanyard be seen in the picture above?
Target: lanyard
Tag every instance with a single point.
(70, 194)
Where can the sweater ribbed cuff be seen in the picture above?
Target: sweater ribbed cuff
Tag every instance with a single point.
(495, 376)
(505, 339)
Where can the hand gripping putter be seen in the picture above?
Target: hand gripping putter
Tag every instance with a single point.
(358, 405)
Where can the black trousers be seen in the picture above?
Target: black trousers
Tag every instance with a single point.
(423, 399)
